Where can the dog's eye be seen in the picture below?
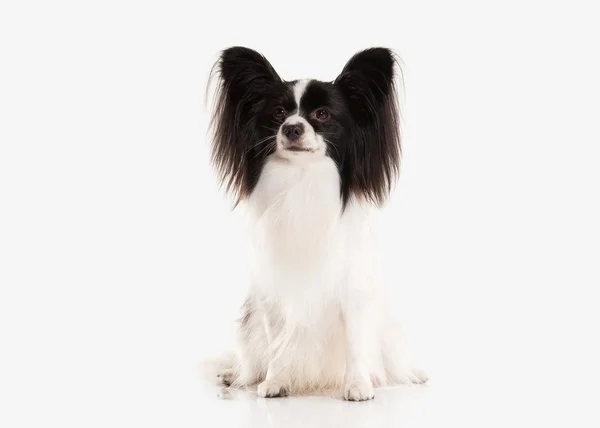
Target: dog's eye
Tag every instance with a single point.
(279, 113)
(321, 114)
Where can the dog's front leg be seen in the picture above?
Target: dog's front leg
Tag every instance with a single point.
(275, 383)
(360, 318)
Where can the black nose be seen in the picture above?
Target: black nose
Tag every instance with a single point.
(293, 132)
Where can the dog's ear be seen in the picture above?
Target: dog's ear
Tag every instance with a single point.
(367, 80)
(245, 73)
(244, 77)
(368, 84)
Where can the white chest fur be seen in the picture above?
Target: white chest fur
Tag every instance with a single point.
(297, 234)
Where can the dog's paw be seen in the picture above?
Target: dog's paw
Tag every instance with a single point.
(418, 376)
(226, 377)
(272, 388)
(359, 391)
(411, 376)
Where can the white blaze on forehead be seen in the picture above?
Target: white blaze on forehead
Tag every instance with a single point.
(296, 119)
(299, 88)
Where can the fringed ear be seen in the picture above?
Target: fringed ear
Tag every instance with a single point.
(368, 83)
(244, 76)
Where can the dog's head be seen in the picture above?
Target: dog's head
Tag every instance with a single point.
(353, 120)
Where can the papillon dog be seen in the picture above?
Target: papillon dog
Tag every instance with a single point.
(310, 160)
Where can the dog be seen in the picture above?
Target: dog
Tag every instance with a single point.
(309, 161)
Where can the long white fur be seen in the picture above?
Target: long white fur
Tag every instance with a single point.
(315, 311)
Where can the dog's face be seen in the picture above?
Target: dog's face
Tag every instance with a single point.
(303, 120)
(353, 120)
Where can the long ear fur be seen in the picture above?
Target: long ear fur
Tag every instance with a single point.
(243, 76)
(373, 161)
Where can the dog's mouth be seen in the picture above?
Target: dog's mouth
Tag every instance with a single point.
(299, 149)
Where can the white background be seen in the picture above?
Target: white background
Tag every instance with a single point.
(120, 261)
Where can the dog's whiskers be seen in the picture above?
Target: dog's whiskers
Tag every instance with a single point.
(332, 145)
(264, 149)
(259, 142)
(270, 129)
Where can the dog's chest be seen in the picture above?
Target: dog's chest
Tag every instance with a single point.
(296, 226)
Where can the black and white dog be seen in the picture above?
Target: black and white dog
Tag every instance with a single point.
(310, 160)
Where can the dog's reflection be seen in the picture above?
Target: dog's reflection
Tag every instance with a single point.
(308, 412)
